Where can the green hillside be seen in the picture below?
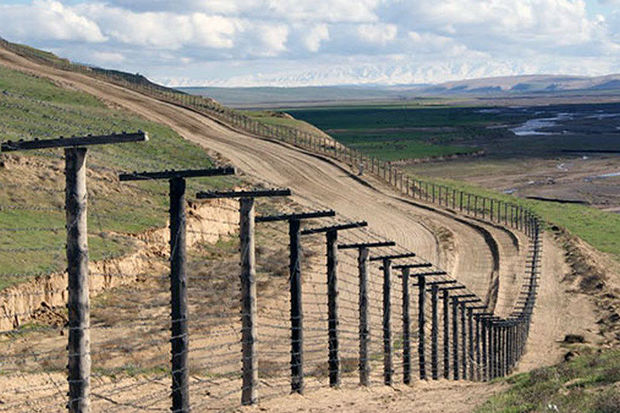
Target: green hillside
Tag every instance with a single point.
(32, 198)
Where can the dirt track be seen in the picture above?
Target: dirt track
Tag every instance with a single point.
(466, 253)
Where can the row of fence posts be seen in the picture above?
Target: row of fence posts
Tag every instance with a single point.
(488, 345)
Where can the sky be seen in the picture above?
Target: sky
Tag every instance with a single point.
(323, 42)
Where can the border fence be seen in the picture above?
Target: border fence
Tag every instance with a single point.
(359, 309)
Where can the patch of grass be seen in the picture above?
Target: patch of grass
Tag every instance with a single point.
(588, 384)
(400, 146)
(276, 118)
(32, 184)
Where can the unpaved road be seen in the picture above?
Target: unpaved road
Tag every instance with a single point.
(469, 256)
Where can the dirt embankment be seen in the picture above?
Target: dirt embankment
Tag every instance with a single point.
(206, 222)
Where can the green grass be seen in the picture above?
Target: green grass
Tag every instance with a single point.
(32, 107)
(395, 133)
(598, 228)
(276, 118)
(586, 384)
(395, 146)
(369, 117)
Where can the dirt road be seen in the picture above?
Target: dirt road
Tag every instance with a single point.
(477, 254)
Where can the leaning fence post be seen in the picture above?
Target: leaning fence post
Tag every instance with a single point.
(434, 333)
(406, 326)
(178, 298)
(248, 302)
(421, 326)
(78, 304)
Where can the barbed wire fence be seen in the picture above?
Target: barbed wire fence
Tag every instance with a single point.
(357, 327)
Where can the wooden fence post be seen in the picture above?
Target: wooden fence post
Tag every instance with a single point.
(446, 334)
(406, 327)
(463, 342)
(364, 335)
(332, 303)
(434, 333)
(470, 336)
(249, 393)
(78, 302)
(477, 340)
(387, 334)
(297, 374)
(178, 298)
(455, 338)
(421, 326)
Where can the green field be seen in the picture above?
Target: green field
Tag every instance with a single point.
(32, 198)
(394, 132)
(586, 384)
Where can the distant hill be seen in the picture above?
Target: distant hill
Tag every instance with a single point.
(506, 86)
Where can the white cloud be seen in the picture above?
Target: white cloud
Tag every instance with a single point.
(312, 40)
(46, 19)
(377, 33)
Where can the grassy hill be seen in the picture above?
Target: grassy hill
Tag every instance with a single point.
(32, 198)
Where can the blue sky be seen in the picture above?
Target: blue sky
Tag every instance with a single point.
(322, 42)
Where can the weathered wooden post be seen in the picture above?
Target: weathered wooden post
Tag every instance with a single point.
(455, 338)
(387, 310)
(446, 334)
(434, 333)
(406, 327)
(249, 333)
(78, 303)
(295, 286)
(331, 232)
(463, 341)
(387, 333)
(179, 330)
(421, 326)
(178, 298)
(78, 300)
(364, 333)
(470, 336)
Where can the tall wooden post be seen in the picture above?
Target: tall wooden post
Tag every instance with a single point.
(364, 335)
(406, 327)
(455, 338)
(249, 393)
(332, 307)
(178, 298)
(297, 374)
(470, 337)
(421, 326)
(477, 340)
(463, 342)
(434, 333)
(485, 364)
(78, 304)
(446, 334)
(387, 334)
